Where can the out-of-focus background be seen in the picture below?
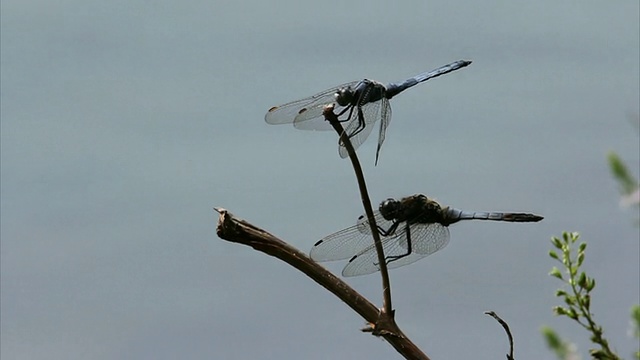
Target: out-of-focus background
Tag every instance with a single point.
(125, 122)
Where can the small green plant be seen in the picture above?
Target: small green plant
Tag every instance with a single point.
(577, 297)
(635, 318)
(627, 184)
(564, 350)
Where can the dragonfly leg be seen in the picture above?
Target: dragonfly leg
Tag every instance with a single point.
(389, 259)
(361, 120)
(350, 108)
(390, 231)
(361, 123)
(363, 99)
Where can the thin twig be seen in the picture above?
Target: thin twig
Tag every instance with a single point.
(240, 231)
(329, 115)
(506, 329)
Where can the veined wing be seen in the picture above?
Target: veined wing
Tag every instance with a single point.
(426, 239)
(345, 243)
(385, 119)
(305, 113)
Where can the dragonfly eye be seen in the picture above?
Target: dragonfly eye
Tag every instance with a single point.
(389, 208)
(344, 96)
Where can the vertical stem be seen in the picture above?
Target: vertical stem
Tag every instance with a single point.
(366, 202)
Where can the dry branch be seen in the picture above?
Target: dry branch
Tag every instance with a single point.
(382, 324)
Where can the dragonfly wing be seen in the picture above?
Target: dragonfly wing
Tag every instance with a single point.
(366, 262)
(340, 245)
(428, 238)
(286, 114)
(385, 119)
(345, 243)
(381, 223)
(304, 110)
(425, 240)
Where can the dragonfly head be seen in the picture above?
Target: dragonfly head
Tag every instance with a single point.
(389, 209)
(344, 96)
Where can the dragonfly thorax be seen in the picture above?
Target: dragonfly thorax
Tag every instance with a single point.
(366, 91)
(413, 209)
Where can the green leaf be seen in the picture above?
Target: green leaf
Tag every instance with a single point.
(554, 342)
(552, 338)
(553, 254)
(580, 258)
(574, 236)
(598, 354)
(559, 310)
(586, 301)
(570, 300)
(556, 242)
(573, 270)
(591, 284)
(619, 170)
(562, 349)
(635, 316)
(582, 247)
(555, 272)
(561, 293)
(582, 280)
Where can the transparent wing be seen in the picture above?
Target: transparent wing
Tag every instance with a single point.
(353, 128)
(429, 238)
(385, 119)
(305, 110)
(345, 243)
(312, 117)
(425, 240)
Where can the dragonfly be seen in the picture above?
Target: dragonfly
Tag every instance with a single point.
(410, 229)
(360, 103)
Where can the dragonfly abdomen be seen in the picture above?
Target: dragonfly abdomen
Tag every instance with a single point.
(395, 89)
(452, 215)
